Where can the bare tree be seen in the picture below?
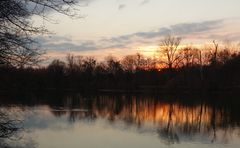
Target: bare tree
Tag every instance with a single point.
(128, 63)
(214, 53)
(113, 66)
(57, 66)
(132, 63)
(190, 56)
(17, 48)
(168, 51)
(89, 64)
(224, 56)
(8, 126)
(73, 63)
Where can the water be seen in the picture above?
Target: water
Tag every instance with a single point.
(117, 121)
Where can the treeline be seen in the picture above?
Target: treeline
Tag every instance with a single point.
(175, 70)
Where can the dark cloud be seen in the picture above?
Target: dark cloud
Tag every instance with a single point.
(228, 36)
(60, 43)
(71, 46)
(178, 29)
(124, 41)
(144, 2)
(188, 28)
(52, 39)
(182, 30)
(121, 6)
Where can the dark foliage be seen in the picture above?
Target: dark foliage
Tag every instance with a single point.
(133, 73)
(17, 48)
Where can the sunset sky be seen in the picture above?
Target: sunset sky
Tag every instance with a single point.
(121, 27)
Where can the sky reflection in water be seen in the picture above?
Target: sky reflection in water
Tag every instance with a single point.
(126, 121)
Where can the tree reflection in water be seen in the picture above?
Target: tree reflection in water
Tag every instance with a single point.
(173, 120)
(8, 126)
(11, 132)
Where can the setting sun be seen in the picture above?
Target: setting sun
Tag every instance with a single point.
(119, 73)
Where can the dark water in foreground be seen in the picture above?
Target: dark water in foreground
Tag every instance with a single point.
(121, 121)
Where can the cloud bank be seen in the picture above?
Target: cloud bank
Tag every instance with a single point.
(200, 30)
(144, 2)
(121, 6)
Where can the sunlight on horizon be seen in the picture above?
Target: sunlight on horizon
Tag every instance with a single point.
(138, 26)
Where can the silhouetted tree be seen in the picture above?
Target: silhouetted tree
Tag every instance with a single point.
(169, 47)
(56, 71)
(8, 127)
(113, 65)
(190, 56)
(214, 53)
(89, 65)
(133, 63)
(72, 64)
(17, 47)
(194, 70)
(128, 63)
(224, 56)
(57, 66)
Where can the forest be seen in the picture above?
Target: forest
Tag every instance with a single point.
(176, 69)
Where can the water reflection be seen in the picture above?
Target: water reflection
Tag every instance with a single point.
(171, 119)
(12, 132)
(174, 120)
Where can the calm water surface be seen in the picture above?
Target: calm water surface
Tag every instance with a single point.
(122, 121)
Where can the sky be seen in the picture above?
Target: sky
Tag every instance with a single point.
(123, 27)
